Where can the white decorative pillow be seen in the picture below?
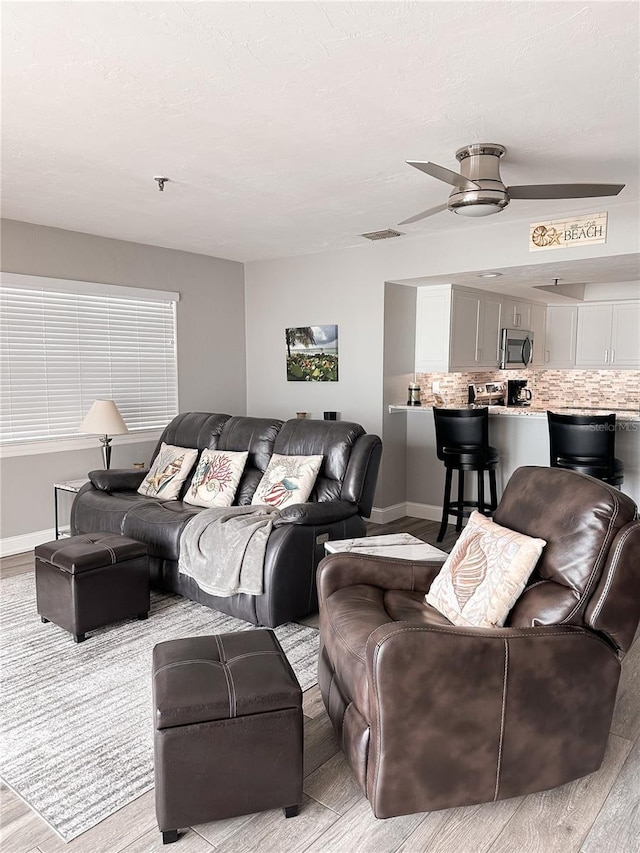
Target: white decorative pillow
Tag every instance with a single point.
(485, 573)
(287, 480)
(216, 478)
(169, 471)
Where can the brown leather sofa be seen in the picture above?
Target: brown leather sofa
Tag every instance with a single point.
(431, 715)
(342, 496)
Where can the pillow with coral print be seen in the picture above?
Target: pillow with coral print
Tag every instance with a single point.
(216, 478)
(287, 480)
(485, 573)
(169, 471)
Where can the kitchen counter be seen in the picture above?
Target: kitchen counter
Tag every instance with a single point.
(622, 415)
(521, 435)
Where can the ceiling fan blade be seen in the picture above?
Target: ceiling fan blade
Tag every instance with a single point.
(424, 214)
(446, 175)
(564, 190)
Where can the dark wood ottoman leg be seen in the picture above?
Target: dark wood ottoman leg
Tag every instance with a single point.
(291, 811)
(170, 836)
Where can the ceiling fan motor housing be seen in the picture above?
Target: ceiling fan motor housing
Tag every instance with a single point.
(480, 163)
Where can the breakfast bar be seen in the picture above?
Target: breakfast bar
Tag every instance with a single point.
(522, 437)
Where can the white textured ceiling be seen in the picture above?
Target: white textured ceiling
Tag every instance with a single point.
(284, 127)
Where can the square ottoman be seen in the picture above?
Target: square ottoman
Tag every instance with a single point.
(228, 729)
(86, 582)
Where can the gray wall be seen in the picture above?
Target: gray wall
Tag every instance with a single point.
(211, 345)
(347, 287)
(398, 360)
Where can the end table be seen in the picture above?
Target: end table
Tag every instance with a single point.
(73, 486)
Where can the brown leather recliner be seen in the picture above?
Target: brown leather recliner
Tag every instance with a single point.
(431, 715)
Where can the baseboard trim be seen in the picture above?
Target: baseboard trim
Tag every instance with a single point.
(426, 511)
(383, 515)
(11, 545)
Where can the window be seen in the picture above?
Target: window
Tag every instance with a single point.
(64, 344)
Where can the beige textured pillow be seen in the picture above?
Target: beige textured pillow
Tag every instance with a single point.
(287, 480)
(485, 573)
(216, 478)
(168, 472)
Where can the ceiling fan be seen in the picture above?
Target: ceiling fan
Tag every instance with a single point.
(478, 189)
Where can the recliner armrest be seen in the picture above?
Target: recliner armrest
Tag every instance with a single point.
(117, 479)
(347, 569)
(325, 512)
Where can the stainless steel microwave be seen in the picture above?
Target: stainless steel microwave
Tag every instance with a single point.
(516, 349)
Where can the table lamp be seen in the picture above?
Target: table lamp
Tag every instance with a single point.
(104, 419)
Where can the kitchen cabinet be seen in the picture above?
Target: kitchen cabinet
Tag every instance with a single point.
(607, 336)
(560, 336)
(516, 314)
(538, 327)
(456, 329)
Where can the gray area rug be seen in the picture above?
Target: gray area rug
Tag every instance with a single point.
(76, 739)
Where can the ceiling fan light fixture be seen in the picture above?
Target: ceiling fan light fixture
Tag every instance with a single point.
(478, 209)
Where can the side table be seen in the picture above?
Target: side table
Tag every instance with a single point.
(73, 486)
(402, 545)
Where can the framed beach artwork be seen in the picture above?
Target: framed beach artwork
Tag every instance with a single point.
(312, 353)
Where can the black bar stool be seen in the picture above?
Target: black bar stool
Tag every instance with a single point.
(462, 442)
(585, 443)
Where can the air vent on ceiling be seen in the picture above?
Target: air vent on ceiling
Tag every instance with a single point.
(382, 235)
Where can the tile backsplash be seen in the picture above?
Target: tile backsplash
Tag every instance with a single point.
(617, 389)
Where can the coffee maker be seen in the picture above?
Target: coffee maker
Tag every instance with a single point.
(517, 393)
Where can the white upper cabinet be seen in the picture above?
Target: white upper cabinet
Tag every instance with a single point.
(625, 335)
(538, 318)
(516, 314)
(608, 336)
(456, 329)
(433, 313)
(562, 322)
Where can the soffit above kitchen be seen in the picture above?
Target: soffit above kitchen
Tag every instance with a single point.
(283, 128)
(594, 279)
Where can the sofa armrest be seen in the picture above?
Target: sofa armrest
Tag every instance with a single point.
(495, 712)
(325, 512)
(347, 569)
(117, 479)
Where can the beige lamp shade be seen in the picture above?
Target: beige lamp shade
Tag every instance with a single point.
(103, 418)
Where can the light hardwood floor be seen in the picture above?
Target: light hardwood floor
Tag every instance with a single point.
(597, 814)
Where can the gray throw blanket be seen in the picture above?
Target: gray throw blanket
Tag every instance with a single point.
(223, 548)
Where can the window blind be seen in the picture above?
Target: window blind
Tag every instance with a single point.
(60, 351)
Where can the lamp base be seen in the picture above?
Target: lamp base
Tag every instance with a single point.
(106, 451)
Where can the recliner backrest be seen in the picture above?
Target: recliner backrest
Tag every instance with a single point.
(349, 455)
(256, 435)
(579, 518)
(193, 429)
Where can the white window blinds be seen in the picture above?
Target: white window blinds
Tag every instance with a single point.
(61, 350)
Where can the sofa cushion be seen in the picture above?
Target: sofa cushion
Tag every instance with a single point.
(216, 478)
(193, 429)
(159, 524)
(168, 472)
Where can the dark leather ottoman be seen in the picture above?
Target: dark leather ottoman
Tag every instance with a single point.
(88, 581)
(228, 729)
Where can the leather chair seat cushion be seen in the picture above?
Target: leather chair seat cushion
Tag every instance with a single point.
(159, 524)
(220, 677)
(352, 614)
(594, 467)
(470, 457)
